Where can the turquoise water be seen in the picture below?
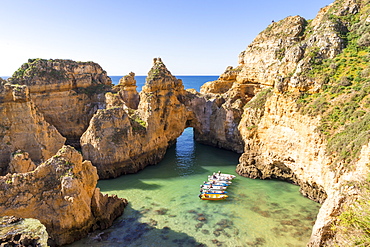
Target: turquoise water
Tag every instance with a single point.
(164, 208)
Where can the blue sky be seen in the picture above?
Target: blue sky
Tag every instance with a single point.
(193, 37)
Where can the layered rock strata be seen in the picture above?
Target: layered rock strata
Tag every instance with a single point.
(279, 140)
(284, 144)
(22, 127)
(122, 139)
(66, 92)
(253, 108)
(218, 110)
(61, 193)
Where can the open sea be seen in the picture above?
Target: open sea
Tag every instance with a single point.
(165, 210)
(189, 81)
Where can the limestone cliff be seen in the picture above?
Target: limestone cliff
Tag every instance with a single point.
(218, 110)
(122, 139)
(66, 92)
(284, 144)
(306, 117)
(22, 127)
(297, 106)
(61, 193)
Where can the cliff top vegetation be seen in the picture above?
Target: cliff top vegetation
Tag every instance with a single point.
(343, 101)
(343, 104)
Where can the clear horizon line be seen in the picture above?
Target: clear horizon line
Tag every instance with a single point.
(143, 75)
(174, 75)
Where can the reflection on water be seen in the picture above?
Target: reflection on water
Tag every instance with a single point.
(164, 208)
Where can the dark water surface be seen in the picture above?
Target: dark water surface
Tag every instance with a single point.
(164, 208)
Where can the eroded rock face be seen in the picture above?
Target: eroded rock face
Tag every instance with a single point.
(283, 144)
(66, 92)
(218, 108)
(122, 140)
(127, 91)
(280, 55)
(61, 193)
(20, 162)
(279, 141)
(23, 127)
(22, 232)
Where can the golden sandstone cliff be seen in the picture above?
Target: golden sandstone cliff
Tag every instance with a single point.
(66, 92)
(61, 193)
(122, 140)
(22, 127)
(308, 120)
(296, 107)
(56, 188)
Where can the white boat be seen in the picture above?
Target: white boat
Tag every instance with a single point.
(222, 176)
(219, 181)
(214, 187)
(212, 191)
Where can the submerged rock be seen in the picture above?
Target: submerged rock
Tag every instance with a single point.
(22, 232)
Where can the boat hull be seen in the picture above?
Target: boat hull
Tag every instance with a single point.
(210, 180)
(213, 192)
(213, 197)
(216, 184)
(214, 187)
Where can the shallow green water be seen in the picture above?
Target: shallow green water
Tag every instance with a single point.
(164, 208)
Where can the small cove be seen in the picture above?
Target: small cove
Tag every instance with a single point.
(164, 208)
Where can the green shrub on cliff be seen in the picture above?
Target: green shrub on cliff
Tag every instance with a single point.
(138, 125)
(35, 68)
(344, 101)
(354, 222)
(259, 101)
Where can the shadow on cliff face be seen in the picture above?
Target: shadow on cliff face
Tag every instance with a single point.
(132, 232)
(181, 160)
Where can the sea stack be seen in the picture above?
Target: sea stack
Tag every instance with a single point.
(121, 139)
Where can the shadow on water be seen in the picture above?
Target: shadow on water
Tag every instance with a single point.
(131, 231)
(181, 160)
(133, 184)
(165, 210)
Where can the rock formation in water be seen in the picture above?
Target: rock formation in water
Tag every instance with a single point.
(127, 93)
(22, 127)
(296, 106)
(61, 193)
(218, 110)
(66, 92)
(122, 139)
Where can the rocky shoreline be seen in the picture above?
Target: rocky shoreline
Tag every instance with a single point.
(262, 109)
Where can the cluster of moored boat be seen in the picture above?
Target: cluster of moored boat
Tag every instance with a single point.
(215, 188)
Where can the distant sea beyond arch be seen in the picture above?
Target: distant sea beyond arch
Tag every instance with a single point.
(189, 81)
